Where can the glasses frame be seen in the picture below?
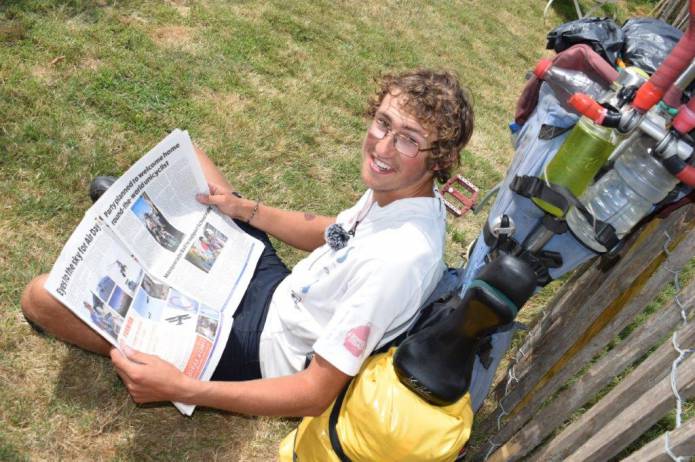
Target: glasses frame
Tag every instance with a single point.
(396, 136)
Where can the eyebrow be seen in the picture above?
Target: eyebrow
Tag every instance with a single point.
(404, 127)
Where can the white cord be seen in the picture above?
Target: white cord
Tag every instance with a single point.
(682, 353)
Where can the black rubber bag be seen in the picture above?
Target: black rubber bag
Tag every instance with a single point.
(602, 34)
(647, 42)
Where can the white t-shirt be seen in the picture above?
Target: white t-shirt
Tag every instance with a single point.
(344, 304)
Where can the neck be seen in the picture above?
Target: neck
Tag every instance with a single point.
(384, 198)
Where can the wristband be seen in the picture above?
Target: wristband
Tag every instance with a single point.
(254, 211)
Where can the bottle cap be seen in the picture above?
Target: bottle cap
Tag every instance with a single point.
(684, 122)
(647, 96)
(542, 67)
(585, 105)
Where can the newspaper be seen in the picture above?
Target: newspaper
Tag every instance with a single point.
(151, 268)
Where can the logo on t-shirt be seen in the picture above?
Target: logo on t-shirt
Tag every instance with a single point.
(356, 340)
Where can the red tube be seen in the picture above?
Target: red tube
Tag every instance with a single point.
(651, 92)
(685, 119)
(673, 96)
(687, 176)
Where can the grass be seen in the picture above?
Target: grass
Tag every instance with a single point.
(274, 92)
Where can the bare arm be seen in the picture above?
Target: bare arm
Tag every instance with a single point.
(301, 230)
(309, 392)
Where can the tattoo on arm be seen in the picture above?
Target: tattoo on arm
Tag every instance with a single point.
(309, 216)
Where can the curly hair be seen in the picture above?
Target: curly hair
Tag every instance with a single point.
(440, 104)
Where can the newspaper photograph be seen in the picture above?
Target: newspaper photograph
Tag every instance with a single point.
(150, 267)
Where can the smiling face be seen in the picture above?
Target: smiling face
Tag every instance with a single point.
(388, 173)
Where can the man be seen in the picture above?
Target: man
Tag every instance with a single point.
(297, 338)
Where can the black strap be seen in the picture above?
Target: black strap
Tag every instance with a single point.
(333, 422)
(562, 198)
(534, 187)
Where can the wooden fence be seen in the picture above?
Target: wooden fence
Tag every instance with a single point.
(562, 366)
(672, 11)
(569, 362)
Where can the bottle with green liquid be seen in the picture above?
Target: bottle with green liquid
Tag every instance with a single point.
(580, 157)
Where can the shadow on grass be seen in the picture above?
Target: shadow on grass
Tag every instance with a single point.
(91, 394)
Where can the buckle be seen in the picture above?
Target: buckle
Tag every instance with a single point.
(460, 190)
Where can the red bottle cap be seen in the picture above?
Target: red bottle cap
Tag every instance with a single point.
(685, 120)
(585, 105)
(647, 96)
(542, 67)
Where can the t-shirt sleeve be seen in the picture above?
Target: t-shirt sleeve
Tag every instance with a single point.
(380, 294)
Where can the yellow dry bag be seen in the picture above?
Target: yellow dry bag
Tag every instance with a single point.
(379, 419)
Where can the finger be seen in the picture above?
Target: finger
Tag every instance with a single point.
(211, 199)
(137, 356)
(125, 368)
(118, 359)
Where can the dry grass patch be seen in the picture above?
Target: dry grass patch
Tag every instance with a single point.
(90, 62)
(181, 7)
(252, 11)
(222, 103)
(177, 37)
(44, 73)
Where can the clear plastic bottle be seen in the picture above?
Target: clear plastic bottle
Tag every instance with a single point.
(580, 157)
(625, 195)
(566, 82)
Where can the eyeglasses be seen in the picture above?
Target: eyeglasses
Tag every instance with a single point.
(404, 144)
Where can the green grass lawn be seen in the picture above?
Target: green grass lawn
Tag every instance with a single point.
(274, 92)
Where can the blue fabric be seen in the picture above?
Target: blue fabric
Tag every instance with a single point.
(532, 154)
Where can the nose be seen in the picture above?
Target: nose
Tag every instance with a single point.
(385, 146)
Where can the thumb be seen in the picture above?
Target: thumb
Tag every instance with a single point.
(210, 199)
(136, 356)
(203, 198)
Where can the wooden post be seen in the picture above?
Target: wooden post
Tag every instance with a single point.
(682, 443)
(595, 301)
(576, 290)
(599, 375)
(599, 419)
(643, 412)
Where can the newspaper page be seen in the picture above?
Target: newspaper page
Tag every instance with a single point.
(150, 267)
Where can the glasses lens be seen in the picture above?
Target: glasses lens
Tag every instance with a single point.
(377, 129)
(406, 146)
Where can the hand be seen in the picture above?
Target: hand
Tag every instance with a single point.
(225, 201)
(149, 378)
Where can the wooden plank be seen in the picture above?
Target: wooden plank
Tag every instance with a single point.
(595, 420)
(575, 290)
(681, 440)
(598, 376)
(591, 294)
(588, 307)
(642, 413)
(606, 327)
(682, 18)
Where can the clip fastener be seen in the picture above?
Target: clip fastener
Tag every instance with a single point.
(454, 188)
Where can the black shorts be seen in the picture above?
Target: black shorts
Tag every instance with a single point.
(240, 359)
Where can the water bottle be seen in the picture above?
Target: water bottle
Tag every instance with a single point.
(575, 164)
(625, 195)
(566, 82)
